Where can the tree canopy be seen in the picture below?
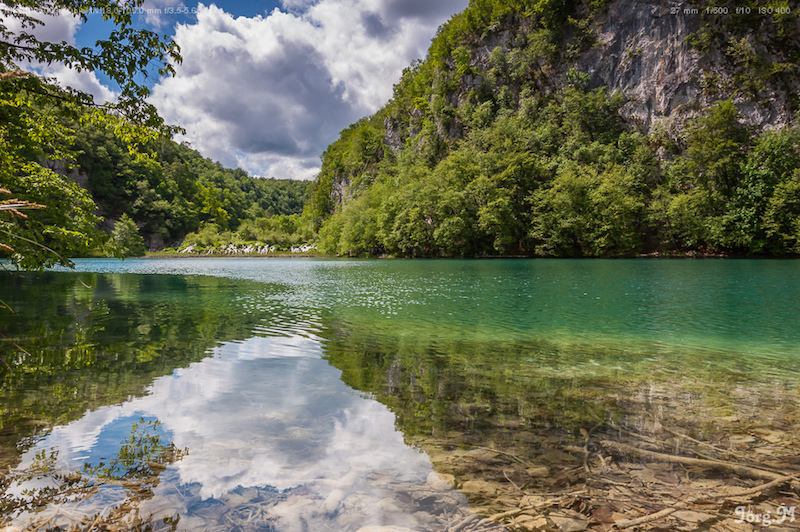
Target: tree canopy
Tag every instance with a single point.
(35, 140)
(176, 190)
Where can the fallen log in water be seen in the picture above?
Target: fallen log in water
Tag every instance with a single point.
(701, 462)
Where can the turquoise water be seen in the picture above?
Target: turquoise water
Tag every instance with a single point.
(739, 305)
(274, 394)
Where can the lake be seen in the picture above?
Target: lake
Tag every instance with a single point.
(323, 394)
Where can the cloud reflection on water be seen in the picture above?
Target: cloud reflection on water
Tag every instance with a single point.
(263, 412)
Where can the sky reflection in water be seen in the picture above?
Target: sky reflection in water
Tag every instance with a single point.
(263, 412)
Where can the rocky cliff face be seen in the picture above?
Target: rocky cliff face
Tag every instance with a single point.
(669, 59)
(644, 50)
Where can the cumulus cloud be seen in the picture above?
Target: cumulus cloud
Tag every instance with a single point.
(61, 28)
(54, 28)
(296, 5)
(83, 81)
(269, 93)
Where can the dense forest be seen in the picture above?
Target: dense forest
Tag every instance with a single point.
(158, 193)
(510, 138)
(172, 190)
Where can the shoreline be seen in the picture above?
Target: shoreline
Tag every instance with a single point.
(643, 256)
(159, 255)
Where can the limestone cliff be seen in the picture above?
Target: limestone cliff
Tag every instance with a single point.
(647, 50)
(669, 60)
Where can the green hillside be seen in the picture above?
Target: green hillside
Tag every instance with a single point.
(540, 128)
(176, 190)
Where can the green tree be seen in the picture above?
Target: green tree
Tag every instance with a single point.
(782, 217)
(125, 239)
(765, 173)
(716, 144)
(586, 213)
(33, 112)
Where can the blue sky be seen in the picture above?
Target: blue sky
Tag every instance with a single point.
(165, 22)
(267, 85)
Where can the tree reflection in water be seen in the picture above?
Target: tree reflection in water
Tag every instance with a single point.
(78, 342)
(47, 496)
(515, 390)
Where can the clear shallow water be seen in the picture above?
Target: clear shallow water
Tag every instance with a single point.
(741, 306)
(295, 386)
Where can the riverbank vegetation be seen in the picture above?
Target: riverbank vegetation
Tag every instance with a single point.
(564, 176)
(167, 192)
(174, 191)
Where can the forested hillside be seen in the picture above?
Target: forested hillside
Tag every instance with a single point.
(573, 128)
(174, 191)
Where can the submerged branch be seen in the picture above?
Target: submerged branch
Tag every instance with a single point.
(701, 462)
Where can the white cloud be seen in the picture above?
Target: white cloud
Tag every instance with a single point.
(61, 28)
(269, 93)
(83, 81)
(279, 165)
(52, 28)
(296, 5)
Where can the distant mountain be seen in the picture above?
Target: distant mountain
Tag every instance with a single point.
(579, 128)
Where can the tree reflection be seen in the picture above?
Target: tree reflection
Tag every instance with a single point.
(510, 422)
(99, 343)
(46, 497)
